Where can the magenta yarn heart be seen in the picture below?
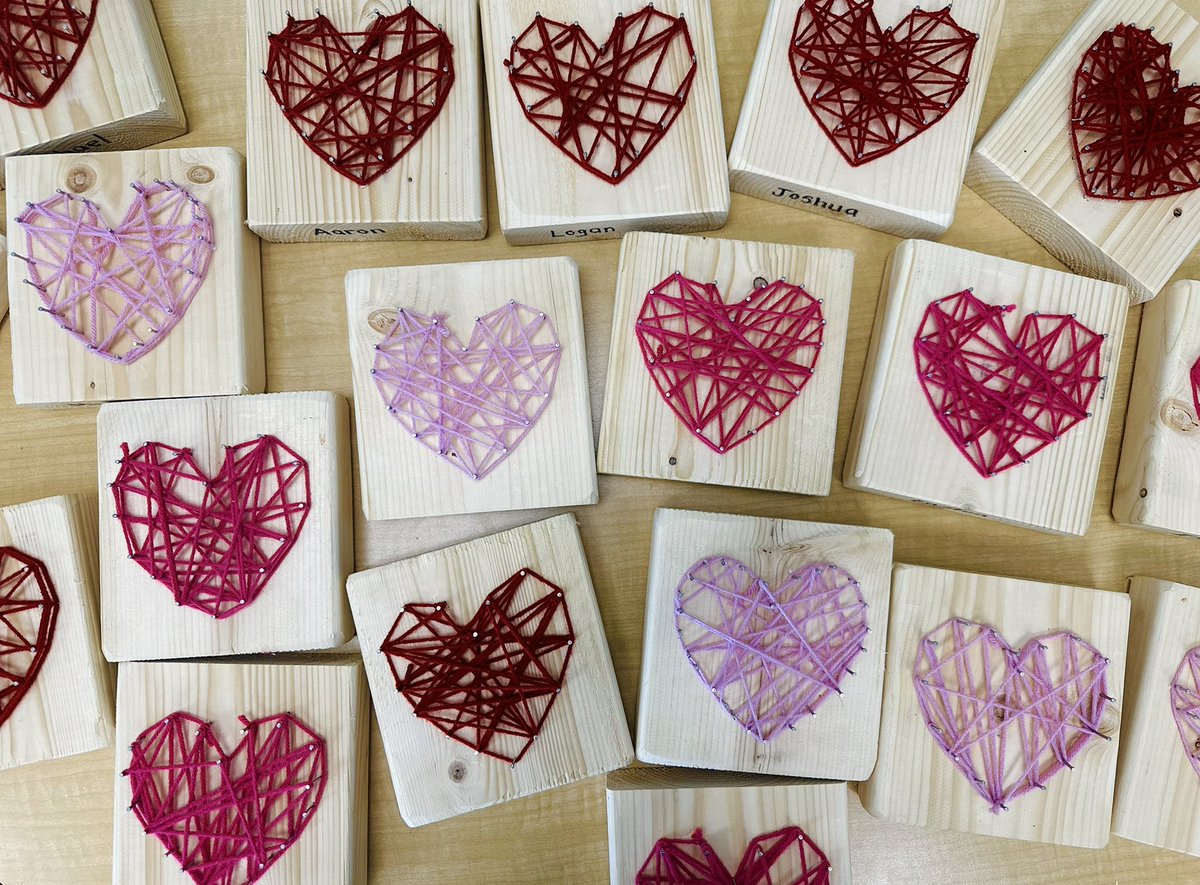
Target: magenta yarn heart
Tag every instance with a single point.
(770, 656)
(473, 404)
(1185, 705)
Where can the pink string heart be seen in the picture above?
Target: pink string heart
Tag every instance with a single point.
(1194, 376)
(787, 855)
(1185, 705)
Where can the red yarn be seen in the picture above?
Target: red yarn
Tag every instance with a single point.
(729, 370)
(28, 612)
(226, 818)
(40, 41)
(489, 683)
(605, 107)
(784, 857)
(872, 89)
(1002, 400)
(361, 108)
(1136, 134)
(1195, 376)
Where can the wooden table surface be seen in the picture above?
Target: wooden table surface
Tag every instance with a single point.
(56, 818)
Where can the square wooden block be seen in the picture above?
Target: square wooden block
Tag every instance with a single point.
(643, 435)
(648, 804)
(937, 309)
(68, 707)
(684, 720)
(428, 189)
(604, 180)
(584, 732)
(1158, 486)
(301, 605)
(916, 782)
(211, 344)
(329, 700)
(1158, 788)
(508, 426)
(781, 152)
(1026, 164)
(118, 95)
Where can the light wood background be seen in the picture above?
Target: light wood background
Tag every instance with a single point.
(56, 819)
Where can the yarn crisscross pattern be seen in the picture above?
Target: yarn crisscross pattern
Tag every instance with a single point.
(1135, 132)
(28, 613)
(1009, 720)
(729, 370)
(489, 683)
(1000, 399)
(872, 90)
(1194, 377)
(226, 818)
(770, 656)
(787, 856)
(606, 107)
(119, 289)
(361, 100)
(40, 41)
(1185, 705)
(213, 542)
(471, 403)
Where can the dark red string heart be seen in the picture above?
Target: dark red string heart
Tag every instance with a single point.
(214, 543)
(1195, 378)
(1136, 134)
(871, 89)
(489, 683)
(1185, 705)
(605, 107)
(1002, 400)
(40, 41)
(28, 613)
(226, 819)
(785, 857)
(729, 370)
(361, 108)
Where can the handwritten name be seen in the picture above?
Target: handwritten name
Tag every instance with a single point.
(813, 200)
(582, 232)
(359, 232)
(91, 143)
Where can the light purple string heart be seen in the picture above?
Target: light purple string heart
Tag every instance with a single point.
(1185, 705)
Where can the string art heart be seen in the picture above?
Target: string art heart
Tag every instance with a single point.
(361, 100)
(471, 403)
(770, 656)
(785, 857)
(1009, 720)
(1185, 705)
(1001, 400)
(872, 90)
(121, 289)
(40, 41)
(1136, 134)
(489, 683)
(226, 818)
(28, 612)
(213, 542)
(1194, 376)
(728, 370)
(606, 107)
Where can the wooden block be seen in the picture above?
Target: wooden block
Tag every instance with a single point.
(402, 476)
(546, 196)
(641, 434)
(434, 191)
(584, 734)
(330, 699)
(217, 346)
(1025, 165)
(1157, 486)
(302, 605)
(646, 804)
(897, 445)
(916, 783)
(68, 708)
(120, 95)
(780, 152)
(681, 722)
(1158, 791)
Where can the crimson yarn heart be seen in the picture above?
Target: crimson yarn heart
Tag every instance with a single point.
(28, 613)
(1185, 705)
(1194, 375)
(40, 41)
(787, 855)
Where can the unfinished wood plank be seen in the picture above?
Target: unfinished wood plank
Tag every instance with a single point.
(585, 733)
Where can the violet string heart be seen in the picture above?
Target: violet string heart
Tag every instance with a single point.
(226, 818)
(788, 855)
(40, 42)
(121, 289)
(471, 403)
(770, 656)
(1009, 720)
(1185, 705)
(28, 614)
